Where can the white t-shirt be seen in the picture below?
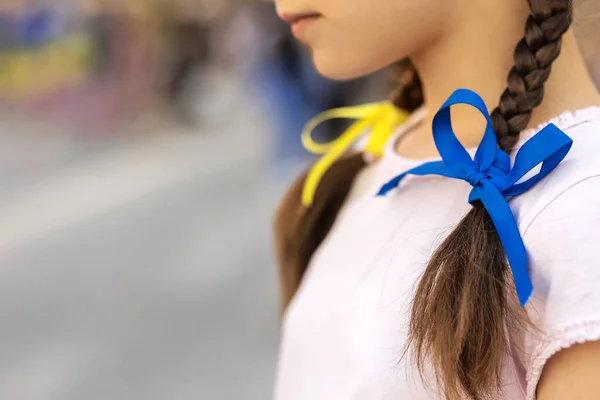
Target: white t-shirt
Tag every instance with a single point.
(344, 332)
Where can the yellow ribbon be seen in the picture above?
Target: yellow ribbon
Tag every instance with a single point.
(380, 120)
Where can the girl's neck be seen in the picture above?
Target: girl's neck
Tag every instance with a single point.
(476, 52)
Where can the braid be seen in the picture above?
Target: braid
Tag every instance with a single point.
(534, 56)
(465, 299)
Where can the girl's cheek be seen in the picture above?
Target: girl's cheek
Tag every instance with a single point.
(357, 37)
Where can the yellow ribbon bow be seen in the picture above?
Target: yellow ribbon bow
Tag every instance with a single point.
(379, 119)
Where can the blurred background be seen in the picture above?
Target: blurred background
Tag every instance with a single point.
(143, 147)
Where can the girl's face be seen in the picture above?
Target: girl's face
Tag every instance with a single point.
(351, 38)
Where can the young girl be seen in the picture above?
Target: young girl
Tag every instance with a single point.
(414, 294)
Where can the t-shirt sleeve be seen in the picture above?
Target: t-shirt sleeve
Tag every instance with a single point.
(563, 244)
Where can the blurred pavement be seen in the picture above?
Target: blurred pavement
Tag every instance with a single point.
(137, 268)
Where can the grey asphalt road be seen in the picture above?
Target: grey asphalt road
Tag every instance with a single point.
(143, 273)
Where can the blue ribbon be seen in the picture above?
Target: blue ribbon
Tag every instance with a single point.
(491, 175)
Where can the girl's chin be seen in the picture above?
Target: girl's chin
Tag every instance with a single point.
(340, 68)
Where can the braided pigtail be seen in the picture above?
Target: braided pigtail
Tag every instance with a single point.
(462, 302)
(298, 230)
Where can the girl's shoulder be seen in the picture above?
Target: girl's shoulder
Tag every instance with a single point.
(581, 165)
(558, 219)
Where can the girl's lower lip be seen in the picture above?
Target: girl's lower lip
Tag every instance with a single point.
(300, 25)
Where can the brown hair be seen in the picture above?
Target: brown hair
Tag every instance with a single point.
(465, 299)
(298, 230)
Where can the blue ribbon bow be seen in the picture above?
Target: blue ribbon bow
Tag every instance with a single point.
(491, 175)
